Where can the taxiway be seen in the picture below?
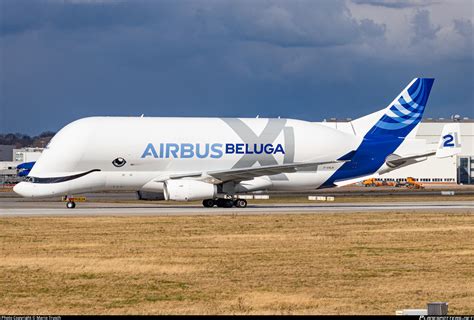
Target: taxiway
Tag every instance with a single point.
(123, 209)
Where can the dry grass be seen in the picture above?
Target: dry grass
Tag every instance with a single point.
(369, 263)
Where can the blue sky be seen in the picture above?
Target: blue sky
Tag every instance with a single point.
(310, 60)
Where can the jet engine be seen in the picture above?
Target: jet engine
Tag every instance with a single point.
(147, 195)
(188, 190)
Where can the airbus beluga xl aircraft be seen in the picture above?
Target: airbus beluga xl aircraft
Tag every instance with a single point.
(215, 159)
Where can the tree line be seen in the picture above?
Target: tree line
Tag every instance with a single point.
(20, 140)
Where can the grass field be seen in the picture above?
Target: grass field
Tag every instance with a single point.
(334, 263)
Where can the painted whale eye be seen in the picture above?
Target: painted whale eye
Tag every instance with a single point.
(119, 162)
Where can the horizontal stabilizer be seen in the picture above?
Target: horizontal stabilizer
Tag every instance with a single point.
(398, 161)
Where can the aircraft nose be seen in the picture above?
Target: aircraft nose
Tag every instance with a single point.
(23, 189)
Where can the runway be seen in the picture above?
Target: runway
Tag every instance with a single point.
(117, 209)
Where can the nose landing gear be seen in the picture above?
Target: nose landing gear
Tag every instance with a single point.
(70, 204)
(71, 201)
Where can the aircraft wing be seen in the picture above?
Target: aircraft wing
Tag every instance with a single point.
(241, 174)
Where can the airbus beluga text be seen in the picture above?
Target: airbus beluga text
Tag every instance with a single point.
(215, 159)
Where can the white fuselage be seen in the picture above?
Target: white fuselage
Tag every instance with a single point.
(213, 158)
(156, 147)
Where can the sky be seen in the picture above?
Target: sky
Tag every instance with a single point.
(310, 60)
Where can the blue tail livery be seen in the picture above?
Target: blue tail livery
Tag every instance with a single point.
(384, 131)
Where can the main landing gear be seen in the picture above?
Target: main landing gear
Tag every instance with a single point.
(224, 203)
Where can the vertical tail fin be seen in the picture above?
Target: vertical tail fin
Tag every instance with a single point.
(384, 131)
(450, 141)
(401, 116)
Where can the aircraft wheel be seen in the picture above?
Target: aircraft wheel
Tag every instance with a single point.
(70, 204)
(240, 203)
(220, 202)
(224, 203)
(208, 203)
(228, 203)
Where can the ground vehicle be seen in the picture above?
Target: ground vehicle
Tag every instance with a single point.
(413, 184)
(410, 183)
(373, 182)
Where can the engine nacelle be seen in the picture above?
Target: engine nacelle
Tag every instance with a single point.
(188, 190)
(147, 195)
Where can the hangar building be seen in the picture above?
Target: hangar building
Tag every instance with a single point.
(6, 152)
(458, 169)
(26, 154)
(12, 158)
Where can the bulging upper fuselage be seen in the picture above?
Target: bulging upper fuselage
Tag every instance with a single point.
(126, 153)
(201, 158)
